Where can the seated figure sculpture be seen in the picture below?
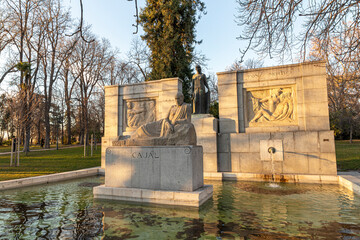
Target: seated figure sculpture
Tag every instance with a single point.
(175, 129)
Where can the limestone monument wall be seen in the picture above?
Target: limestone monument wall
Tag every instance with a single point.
(129, 106)
(285, 107)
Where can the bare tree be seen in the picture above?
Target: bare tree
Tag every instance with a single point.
(269, 25)
(90, 64)
(343, 80)
(57, 22)
(26, 34)
(139, 56)
(248, 64)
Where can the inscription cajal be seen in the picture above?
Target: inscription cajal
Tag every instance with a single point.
(274, 106)
(139, 113)
(145, 155)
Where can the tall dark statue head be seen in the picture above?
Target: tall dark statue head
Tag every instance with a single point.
(198, 69)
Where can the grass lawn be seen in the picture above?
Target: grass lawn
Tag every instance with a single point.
(348, 155)
(47, 162)
(32, 147)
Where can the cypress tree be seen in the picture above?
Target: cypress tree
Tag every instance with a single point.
(169, 27)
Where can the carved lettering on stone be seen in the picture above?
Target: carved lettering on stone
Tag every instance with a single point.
(275, 106)
(139, 113)
(145, 155)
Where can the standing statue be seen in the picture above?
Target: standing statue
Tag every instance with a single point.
(201, 99)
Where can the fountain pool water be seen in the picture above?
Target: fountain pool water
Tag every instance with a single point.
(238, 210)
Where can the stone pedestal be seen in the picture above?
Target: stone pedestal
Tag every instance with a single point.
(158, 174)
(206, 127)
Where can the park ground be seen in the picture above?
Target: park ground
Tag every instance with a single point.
(68, 159)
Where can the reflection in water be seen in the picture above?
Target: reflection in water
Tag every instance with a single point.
(238, 210)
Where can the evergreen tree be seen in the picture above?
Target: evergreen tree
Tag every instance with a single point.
(169, 28)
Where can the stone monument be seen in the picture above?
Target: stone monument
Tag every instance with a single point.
(205, 124)
(175, 129)
(159, 163)
(284, 108)
(201, 99)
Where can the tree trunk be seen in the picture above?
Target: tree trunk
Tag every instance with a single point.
(351, 132)
(47, 125)
(68, 124)
(39, 132)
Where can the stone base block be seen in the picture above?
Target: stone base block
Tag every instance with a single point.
(181, 198)
(173, 168)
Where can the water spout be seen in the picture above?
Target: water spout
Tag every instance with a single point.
(272, 151)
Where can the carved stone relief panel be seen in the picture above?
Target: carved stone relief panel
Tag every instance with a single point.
(138, 112)
(271, 107)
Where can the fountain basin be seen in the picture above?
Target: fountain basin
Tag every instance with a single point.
(238, 210)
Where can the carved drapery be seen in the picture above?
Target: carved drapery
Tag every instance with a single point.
(273, 106)
(138, 113)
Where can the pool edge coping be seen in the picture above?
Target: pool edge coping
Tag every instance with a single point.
(95, 171)
(44, 179)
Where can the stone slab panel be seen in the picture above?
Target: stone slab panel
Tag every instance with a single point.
(235, 162)
(317, 123)
(224, 160)
(319, 109)
(210, 162)
(314, 95)
(250, 162)
(240, 142)
(178, 168)
(205, 125)
(227, 78)
(269, 167)
(223, 142)
(105, 143)
(328, 163)
(314, 82)
(227, 125)
(227, 89)
(180, 198)
(227, 102)
(271, 129)
(207, 141)
(306, 141)
(314, 163)
(287, 139)
(255, 139)
(327, 142)
(295, 163)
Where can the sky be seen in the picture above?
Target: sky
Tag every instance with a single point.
(113, 19)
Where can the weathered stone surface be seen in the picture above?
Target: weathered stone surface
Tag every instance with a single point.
(248, 99)
(306, 142)
(295, 163)
(265, 154)
(180, 198)
(210, 162)
(175, 129)
(240, 142)
(250, 162)
(272, 106)
(224, 162)
(255, 139)
(159, 168)
(327, 142)
(160, 92)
